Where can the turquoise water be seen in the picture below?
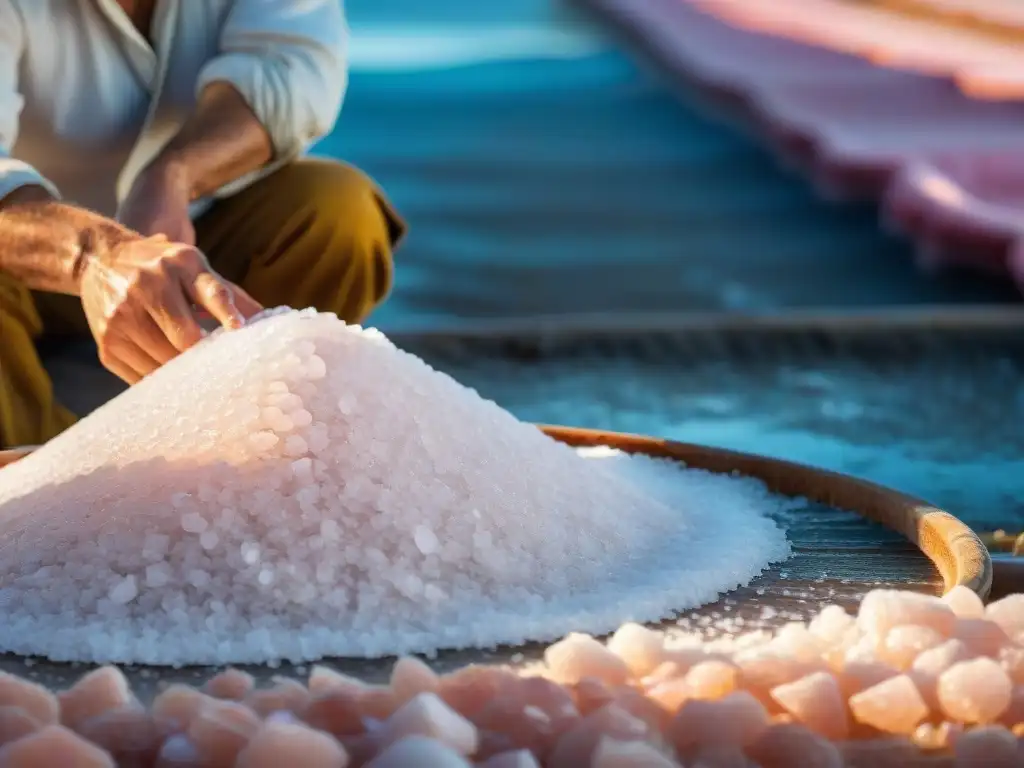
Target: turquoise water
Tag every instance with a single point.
(543, 170)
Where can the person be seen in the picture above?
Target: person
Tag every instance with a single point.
(153, 172)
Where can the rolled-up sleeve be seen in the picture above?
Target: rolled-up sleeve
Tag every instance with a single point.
(288, 60)
(14, 173)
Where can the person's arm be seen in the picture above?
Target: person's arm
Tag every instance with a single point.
(275, 87)
(43, 242)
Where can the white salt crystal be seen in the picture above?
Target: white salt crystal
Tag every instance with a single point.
(327, 478)
(883, 609)
(426, 540)
(124, 591)
(426, 715)
(418, 751)
(615, 753)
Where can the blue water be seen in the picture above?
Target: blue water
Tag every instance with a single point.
(543, 170)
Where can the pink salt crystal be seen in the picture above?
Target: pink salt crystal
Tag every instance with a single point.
(34, 699)
(981, 637)
(788, 746)
(591, 694)
(1011, 659)
(712, 680)
(817, 702)
(893, 706)
(469, 688)
(520, 758)
(418, 752)
(641, 707)
(668, 670)
(377, 701)
(286, 695)
(577, 746)
(578, 656)
(179, 704)
(131, 736)
(220, 729)
(1014, 712)
(762, 670)
(639, 647)
(612, 753)
(322, 679)
(990, 746)
(974, 691)
(718, 756)
(831, 624)
(281, 744)
(56, 746)
(670, 695)
(927, 667)
(883, 609)
(102, 690)
(857, 676)
(964, 602)
(1008, 613)
(426, 715)
(231, 684)
(15, 723)
(903, 644)
(335, 712)
(739, 718)
(798, 642)
(410, 676)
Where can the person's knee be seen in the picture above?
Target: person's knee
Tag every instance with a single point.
(342, 237)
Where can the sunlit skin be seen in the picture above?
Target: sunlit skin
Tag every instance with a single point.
(144, 285)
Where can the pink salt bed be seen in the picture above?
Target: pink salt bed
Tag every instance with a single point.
(910, 680)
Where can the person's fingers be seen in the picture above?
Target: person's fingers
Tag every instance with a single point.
(245, 303)
(154, 340)
(213, 294)
(136, 358)
(120, 369)
(177, 319)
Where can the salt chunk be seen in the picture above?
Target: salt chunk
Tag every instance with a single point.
(1008, 613)
(40, 703)
(711, 679)
(641, 648)
(791, 745)
(904, 643)
(831, 624)
(990, 746)
(193, 522)
(612, 753)
(179, 704)
(99, 691)
(53, 745)
(817, 702)
(883, 609)
(323, 679)
(893, 706)
(411, 677)
(231, 684)
(132, 736)
(286, 695)
(964, 602)
(264, 440)
(426, 540)
(281, 744)
(220, 730)
(739, 718)
(974, 691)
(426, 715)
(579, 655)
(418, 751)
(15, 723)
(578, 744)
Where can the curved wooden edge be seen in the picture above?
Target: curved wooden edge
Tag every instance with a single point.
(957, 552)
(960, 556)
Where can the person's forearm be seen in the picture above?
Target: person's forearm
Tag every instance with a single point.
(221, 142)
(46, 244)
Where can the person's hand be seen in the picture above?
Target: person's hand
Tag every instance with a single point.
(158, 205)
(143, 299)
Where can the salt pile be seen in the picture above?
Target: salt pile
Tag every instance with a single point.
(840, 690)
(301, 488)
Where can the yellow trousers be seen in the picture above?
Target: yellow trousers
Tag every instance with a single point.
(314, 234)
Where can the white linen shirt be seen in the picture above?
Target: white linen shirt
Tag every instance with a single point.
(86, 102)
